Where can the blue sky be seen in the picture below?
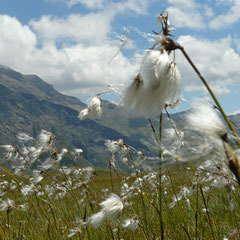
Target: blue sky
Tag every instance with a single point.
(70, 43)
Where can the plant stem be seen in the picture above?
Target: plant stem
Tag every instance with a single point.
(211, 92)
(160, 175)
(207, 212)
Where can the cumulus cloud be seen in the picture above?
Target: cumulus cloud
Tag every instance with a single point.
(91, 28)
(227, 19)
(137, 6)
(75, 53)
(72, 53)
(15, 40)
(217, 61)
(186, 13)
(90, 3)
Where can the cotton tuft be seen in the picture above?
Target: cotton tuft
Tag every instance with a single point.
(110, 209)
(204, 118)
(93, 110)
(157, 84)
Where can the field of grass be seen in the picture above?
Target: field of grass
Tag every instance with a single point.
(190, 190)
(58, 205)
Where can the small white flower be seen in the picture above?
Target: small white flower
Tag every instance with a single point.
(117, 146)
(11, 151)
(23, 137)
(44, 138)
(205, 119)
(131, 224)
(74, 231)
(113, 146)
(96, 220)
(7, 205)
(157, 84)
(78, 152)
(84, 114)
(112, 206)
(95, 107)
(27, 189)
(93, 110)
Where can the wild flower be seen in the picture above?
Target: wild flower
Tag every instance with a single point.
(54, 160)
(78, 152)
(131, 223)
(110, 209)
(7, 205)
(93, 110)
(22, 207)
(117, 146)
(36, 178)
(183, 195)
(84, 114)
(89, 172)
(203, 118)
(157, 84)
(45, 139)
(12, 152)
(23, 137)
(27, 189)
(112, 206)
(97, 219)
(74, 231)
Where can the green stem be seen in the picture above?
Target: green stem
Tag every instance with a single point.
(160, 175)
(207, 212)
(211, 92)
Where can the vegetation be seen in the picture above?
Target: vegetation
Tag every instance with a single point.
(189, 191)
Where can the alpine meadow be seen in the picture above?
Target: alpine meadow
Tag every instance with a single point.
(170, 178)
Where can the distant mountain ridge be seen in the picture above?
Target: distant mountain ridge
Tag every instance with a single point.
(28, 104)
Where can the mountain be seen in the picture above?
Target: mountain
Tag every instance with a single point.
(28, 104)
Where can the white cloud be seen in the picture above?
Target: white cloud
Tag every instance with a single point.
(237, 43)
(15, 40)
(89, 3)
(216, 60)
(235, 112)
(186, 13)
(137, 6)
(227, 19)
(91, 28)
(80, 68)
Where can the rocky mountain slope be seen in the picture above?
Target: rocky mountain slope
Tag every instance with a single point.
(28, 104)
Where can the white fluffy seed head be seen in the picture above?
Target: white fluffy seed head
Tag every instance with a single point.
(204, 118)
(157, 84)
(112, 206)
(95, 107)
(174, 85)
(93, 110)
(131, 224)
(96, 220)
(133, 92)
(84, 114)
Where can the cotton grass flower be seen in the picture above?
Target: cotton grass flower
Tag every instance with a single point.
(23, 137)
(93, 110)
(112, 206)
(110, 209)
(157, 84)
(97, 219)
(7, 205)
(12, 152)
(131, 223)
(204, 119)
